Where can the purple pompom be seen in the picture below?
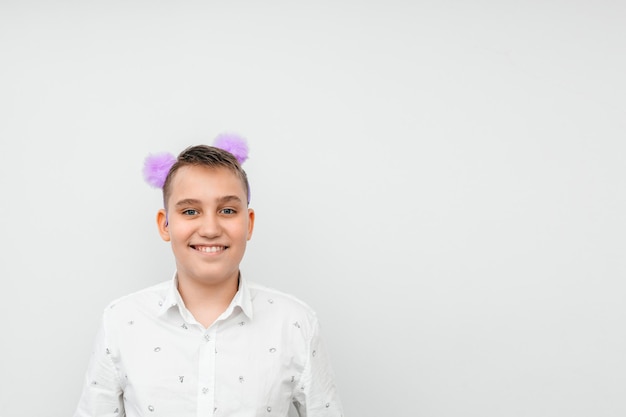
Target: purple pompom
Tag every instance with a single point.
(234, 144)
(156, 167)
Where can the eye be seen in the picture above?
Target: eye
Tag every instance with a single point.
(190, 212)
(228, 211)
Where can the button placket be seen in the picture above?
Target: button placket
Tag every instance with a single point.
(206, 373)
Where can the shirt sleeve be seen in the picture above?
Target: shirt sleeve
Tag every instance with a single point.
(102, 392)
(316, 394)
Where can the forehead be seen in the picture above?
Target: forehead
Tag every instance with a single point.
(201, 182)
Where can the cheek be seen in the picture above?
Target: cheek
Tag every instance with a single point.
(241, 230)
(179, 232)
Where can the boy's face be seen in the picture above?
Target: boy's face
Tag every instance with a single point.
(208, 224)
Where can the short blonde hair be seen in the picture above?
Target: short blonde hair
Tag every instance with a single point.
(206, 156)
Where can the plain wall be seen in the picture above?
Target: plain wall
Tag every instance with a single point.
(444, 182)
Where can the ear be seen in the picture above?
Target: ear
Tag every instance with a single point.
(162, 225)
(250, 223)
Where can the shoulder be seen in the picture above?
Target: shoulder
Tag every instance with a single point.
(260, 293)
(277, 305)
(147, 300)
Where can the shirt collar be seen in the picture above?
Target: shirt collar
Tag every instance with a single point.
(242, 299)
(172, 297)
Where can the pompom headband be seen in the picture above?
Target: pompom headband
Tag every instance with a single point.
(157, 166)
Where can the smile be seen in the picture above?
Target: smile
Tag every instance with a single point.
(209, 249)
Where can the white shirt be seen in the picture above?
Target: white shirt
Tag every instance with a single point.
(153, 359)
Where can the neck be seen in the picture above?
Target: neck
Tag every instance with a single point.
(207, 302)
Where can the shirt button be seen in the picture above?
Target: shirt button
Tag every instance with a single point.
(207, 337)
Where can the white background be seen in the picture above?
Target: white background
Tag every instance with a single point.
(444, 182)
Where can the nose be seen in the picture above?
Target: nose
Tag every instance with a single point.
(210, 226)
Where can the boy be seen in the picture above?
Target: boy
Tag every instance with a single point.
(208, 342)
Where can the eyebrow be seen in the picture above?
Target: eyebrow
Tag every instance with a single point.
(187, 202)
(228, 199)
(221, 200)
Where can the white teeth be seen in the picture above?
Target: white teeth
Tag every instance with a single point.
(210, 249)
